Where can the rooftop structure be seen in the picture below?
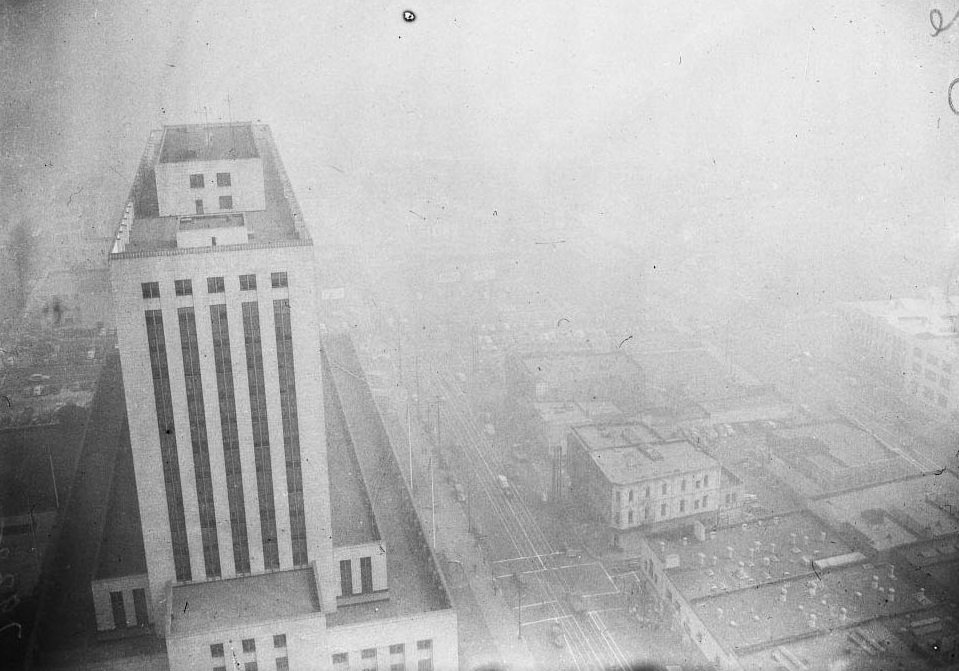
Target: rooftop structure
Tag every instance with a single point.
(261, 208)
(586, 376)
(638, 463)
(745, 556)
(787, 592)
(605, 436)
(748, 620)
(208, 142)
(831, 457)
(911, 641)
(898, 513)
(694, 375)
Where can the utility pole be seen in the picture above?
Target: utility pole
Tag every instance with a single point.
(416, 364)
(409, 441)
(519, 609)
(432, 502)
(469, 505)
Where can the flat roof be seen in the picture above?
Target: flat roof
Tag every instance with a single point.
(599, 408)
(770, 549)
(235, 602)
(928, 317)
(912, 509)
(565, 412)
(280, 222)
(576, 364)
(605, 436)
(208, 142)
(748, 620)
(697, 373)
(350, 510)
(415, 583)
(844, 445)
(626, 465)
(879, 645)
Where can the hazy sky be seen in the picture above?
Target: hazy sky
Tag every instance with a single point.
(808, 136)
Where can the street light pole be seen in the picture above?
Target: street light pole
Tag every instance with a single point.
(519, 608)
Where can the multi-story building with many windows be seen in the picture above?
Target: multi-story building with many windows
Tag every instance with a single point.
(263, 546)
(911, 343)
(628, 477)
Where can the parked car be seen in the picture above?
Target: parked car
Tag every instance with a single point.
(460, 492)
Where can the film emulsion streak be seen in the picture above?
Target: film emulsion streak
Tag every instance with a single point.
(938, 27)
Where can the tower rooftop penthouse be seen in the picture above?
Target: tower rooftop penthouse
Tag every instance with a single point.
(209, 188)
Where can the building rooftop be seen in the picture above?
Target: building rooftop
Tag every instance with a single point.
(208, 142)
(597, 410)
(636, 463)
(930, 314)
(746, 556)
(606, 436)
(560, 412)
(350, 510)
(695, 374)
(415, 582)
(235, 602)
(901, 512)
(143, 231)
(878, 645)
(752, 619)
(831, 457)
(569, 375)
(745, 409)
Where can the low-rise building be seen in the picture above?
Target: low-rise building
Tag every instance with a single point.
(628, 477)
(788, 592)
(577, 376)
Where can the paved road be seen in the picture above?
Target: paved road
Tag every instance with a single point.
(547, 578)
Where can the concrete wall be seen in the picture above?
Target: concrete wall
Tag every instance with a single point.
(103, 607)
(204, 237)
(306, 643)
(354, 553)
(297, 261)
(440, 627)
(175, 197)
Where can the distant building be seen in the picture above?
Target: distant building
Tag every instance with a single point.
(577, 376)
(910, 343)
(256, 553)
(628, 477)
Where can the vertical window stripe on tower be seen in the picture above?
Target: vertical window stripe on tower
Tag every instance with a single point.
(291, 429)
(231, 441)
(168, 450)
(201, 448)
(261, 434)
